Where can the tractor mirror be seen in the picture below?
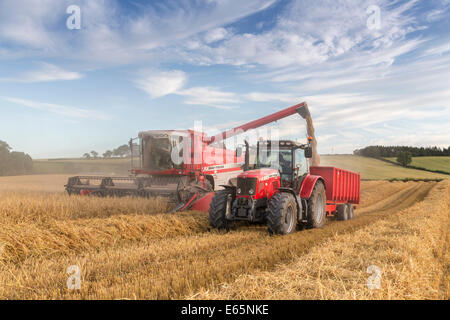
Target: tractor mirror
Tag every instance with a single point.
(308, 152)
(238, 152)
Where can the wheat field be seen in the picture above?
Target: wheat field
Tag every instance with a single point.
(131, 249)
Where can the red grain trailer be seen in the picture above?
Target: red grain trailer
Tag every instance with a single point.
(342, 190)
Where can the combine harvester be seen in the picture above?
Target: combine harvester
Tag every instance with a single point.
(191, 183)
(284, 192)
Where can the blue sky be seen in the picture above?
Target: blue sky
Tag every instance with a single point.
(142, 65)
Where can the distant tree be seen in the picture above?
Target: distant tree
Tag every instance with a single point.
(122, 151)
(86, 155)
(404, 158)
(20, 163)
(4, 146)
(94, 154)
(14, 163)
(4, 156)
(108, 154)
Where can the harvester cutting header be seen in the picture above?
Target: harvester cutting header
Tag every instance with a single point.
(186, 166)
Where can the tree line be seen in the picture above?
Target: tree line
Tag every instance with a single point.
(14, 162)
(394, 151)
(122, 151)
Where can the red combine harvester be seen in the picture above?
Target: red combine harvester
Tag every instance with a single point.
(284, 192)
(204, 165)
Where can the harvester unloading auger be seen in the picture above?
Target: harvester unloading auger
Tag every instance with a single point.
(190, 182)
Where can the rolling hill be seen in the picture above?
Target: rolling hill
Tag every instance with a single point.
(430, 163)
(373, 169)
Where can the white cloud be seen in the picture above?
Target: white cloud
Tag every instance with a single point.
(27, 24)
(436, 15)
(215, 35)
(66, 111)
(210, 96)
(47, 72)
(271, 96)
(438, 50)
(162, 83)
(307, 34)
(108, 34)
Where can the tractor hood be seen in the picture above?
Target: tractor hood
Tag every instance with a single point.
(260, 174)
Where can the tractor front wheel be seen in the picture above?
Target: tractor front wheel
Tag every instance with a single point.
(317, 206)
(218, 209)
(282, 215)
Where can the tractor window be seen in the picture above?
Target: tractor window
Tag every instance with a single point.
(278, 159)
(301, 162)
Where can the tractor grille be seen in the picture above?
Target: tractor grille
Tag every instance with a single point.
(244, 186)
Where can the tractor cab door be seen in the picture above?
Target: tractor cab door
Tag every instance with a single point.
(286, 166)
(301, 168)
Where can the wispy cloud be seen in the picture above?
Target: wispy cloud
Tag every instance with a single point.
(35, 28)
(161, 83)
(62, 110)
(306, 34)
(210, 96)
(47, 72)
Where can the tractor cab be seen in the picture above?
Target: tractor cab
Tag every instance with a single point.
(290, 158)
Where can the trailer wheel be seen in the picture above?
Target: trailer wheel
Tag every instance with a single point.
(351, 213)
(316, 206)
(342, 212)
(282, 215)
(218, 209)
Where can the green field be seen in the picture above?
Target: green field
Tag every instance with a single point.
(430, 163)
(81, 166)
(374, 169)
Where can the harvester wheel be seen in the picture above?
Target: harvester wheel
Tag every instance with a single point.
(316, 207)
(342, 212)
(218, 209)
(351, 213)
(282, 215)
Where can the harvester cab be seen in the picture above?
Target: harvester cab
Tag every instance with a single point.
(156, 150)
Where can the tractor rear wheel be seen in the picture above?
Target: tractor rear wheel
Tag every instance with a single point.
(218, 209)
(342, 212)
(316, 206)
(282, 215)
(351, 213)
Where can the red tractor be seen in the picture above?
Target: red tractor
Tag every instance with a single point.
(282, 191)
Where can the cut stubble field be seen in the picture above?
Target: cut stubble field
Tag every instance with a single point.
(129, 249)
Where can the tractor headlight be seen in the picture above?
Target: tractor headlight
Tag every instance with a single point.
(239, 190)
(251, 191)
